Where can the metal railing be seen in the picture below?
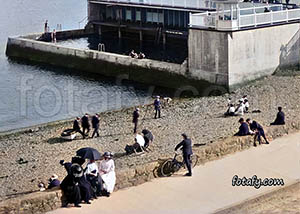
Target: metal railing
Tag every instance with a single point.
(255, 18)
(195, 4)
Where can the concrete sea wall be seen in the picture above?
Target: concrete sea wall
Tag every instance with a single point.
(146, 71)
(41, 202)
(234, 58)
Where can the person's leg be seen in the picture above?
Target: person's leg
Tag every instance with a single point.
(187, 160)
(255, 137)
(83, 130)
(158, 113)
(259, 137)
(155, 114)
(264, 136)
(135, 127)
(97, 131)
(94, 132)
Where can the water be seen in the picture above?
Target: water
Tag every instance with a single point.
(32, 94)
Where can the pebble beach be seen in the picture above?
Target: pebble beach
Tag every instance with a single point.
(41, 148)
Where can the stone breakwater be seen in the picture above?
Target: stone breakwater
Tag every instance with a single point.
(200, 118)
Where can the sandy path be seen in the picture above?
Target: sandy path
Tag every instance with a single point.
(210, 188)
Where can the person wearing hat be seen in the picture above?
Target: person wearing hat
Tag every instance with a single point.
(186, 146)
(53, 181)
(135, 119)
(243, 129)
(107, 173)
(85, 124)
(95, 125)
(76, 126)
(70, 186)
(157, 105)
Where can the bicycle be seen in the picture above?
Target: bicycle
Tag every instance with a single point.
(170, 166)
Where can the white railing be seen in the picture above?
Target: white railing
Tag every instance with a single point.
(208, 19)
(196, 4)
(271, 17)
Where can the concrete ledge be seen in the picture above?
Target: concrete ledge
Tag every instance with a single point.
(151, 72)
(41, 202)
(263, 198)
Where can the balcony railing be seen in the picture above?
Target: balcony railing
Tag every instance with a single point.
(241, 19)
(192, 4)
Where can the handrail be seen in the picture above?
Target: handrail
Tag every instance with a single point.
(84, 19)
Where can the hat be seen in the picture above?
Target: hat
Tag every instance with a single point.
(137, 109)
(157, 96)
(241, 100)
(53, 177)
(76, 170)
(107, 154)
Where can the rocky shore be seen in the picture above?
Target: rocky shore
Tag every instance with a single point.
(201, 118)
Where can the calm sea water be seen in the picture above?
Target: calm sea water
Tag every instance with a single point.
(32, 94)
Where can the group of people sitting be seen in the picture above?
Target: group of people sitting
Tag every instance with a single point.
(251, 127)
(134, 55)
(87, 183)
(141, 142)
(238, 110)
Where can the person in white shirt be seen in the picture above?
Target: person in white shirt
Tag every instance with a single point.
(240, 109)
(107, 173)
(246, 104)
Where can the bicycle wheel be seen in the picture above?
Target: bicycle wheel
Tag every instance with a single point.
(167, 168)
(194, 160)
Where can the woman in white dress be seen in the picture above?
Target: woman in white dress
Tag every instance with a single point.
(107, 172)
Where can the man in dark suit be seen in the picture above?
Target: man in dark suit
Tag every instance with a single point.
(95, 125)
(76, 126)
(186, 146)
(135, 119)
(157, 105)
(257, 130)
(243, 129)
(85, 124)
(280, 119)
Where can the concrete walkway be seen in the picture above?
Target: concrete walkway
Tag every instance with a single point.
(210, 188)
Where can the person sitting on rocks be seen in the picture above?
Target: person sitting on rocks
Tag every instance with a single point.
(141, 55)
(240, 108)
(84, 185)
(107, 173)
(132, 54)
(53, 181)
(257, 130)
(139, 142)
(230, 111)
(280, 118)
(246, 105)
(243, 129)
(70, 185)
(92, 175)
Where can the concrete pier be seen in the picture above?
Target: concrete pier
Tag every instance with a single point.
(237, 57)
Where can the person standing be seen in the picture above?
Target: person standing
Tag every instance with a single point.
(95, 125)
(186, 146)
(157, 105)
(135, 119)
(85, 124)
(76, 126)
(258, 130)
(280, 118)
(46, 26)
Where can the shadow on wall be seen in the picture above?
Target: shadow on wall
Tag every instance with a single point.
(290, 53)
